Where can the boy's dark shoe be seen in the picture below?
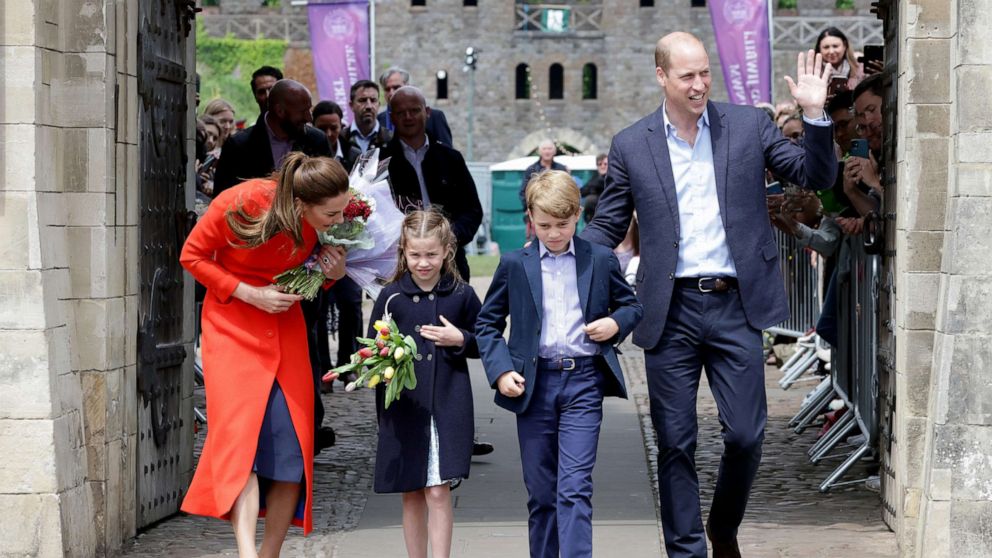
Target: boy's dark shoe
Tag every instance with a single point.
(482, 448)
(723, 549)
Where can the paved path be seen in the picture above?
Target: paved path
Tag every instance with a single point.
(490, 507)
(787, 517)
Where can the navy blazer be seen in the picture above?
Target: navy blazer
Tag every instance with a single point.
(602, 292)
(745, 142)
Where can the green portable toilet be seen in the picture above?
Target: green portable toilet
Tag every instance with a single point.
(508, 229)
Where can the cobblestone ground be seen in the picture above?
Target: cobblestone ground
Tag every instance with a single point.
(342, 482)
(787, 516)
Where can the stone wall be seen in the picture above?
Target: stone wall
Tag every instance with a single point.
(68, 275)
(944, 410)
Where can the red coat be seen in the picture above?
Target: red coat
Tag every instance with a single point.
(244, 350)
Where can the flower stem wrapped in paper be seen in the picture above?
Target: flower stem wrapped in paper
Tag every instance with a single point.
(385, 359)
(370, 232)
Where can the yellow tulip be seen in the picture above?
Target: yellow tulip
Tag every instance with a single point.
(399, 353)
(374, 380)
(379, 324)
(388, 372)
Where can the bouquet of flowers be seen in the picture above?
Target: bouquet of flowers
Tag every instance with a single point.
(370, 232)
(387, 359)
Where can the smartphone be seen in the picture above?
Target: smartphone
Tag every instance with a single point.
(774, 188)
(859, 148)
(871, 53)
(837, 85)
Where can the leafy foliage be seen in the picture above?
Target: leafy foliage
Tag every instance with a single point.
(225, 65)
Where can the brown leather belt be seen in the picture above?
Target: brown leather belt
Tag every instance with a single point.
(707, 284)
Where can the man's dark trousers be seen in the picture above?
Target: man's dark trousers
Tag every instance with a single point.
(705, 330)
(559, 436)
(348, 300)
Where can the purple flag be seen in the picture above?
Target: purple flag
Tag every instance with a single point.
(741, 29)
(339, 38)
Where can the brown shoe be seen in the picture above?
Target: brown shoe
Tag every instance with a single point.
(723, 549)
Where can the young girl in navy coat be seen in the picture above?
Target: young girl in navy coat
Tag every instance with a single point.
(425, 437)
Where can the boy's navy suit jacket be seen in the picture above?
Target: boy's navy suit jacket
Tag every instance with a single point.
(517, 292)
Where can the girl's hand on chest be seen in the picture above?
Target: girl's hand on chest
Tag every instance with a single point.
(446, 335)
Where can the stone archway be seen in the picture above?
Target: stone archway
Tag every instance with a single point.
(578, 140)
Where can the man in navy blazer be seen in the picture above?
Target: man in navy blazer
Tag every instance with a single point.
(709, 277)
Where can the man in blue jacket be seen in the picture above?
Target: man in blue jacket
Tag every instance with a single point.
(709, 277)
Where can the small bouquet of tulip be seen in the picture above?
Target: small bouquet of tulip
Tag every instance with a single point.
(387, 358)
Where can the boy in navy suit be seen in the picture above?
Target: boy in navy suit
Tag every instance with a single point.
(569, 305)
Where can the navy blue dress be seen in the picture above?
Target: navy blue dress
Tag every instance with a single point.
(443, 390)
(279, 457)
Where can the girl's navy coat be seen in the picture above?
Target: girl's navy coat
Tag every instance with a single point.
(443, 388)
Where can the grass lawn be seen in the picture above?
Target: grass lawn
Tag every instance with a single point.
(482, 266)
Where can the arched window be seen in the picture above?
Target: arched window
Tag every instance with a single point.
(442, 84)
(589, 81)
(556, 79)
(523, 81)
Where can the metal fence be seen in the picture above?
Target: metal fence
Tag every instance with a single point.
(853, 364)
(802, 285)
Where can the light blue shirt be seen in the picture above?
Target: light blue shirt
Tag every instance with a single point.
(363, 141)
(561, 330)
(703, 249)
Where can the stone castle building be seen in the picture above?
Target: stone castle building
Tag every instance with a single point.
(96, 319)
(575, 71)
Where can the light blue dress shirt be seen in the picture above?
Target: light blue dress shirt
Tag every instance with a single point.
(363, 141)
(703, 248)
(561, 329)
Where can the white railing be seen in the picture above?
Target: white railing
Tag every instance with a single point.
(797, 32)
(290, 28)
(558, 19)
(791, 32)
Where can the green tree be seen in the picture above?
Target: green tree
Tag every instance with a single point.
(225, 65)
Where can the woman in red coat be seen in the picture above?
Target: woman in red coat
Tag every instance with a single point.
(258, 456)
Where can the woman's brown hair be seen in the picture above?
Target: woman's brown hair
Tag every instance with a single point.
(308, 179)
(428, 223)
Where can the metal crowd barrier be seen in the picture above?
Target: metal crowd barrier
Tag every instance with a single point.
(853, 366)
(801, 285)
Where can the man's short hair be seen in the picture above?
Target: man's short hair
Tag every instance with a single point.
(872, 83)
(394, 70)
(843, 100)
(265, 71)
(362, 84)
(555, 193)
(327, 107)
(600, 158)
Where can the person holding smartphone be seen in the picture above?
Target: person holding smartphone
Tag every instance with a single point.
(862, 176)
(845, 71)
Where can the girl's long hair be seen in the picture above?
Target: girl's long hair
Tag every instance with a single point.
(428, 223)
(308, 179)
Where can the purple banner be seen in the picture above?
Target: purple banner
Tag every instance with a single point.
(339, 38)
(741, 30)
